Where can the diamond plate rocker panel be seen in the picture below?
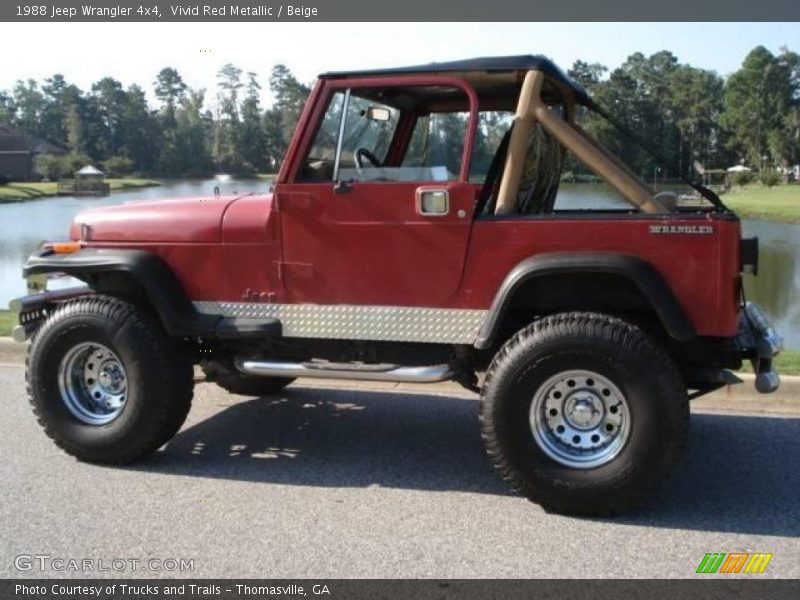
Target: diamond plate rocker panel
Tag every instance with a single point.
(348, 322)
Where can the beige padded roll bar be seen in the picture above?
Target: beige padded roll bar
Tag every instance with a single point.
(530, 110)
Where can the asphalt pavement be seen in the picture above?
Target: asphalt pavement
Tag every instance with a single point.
(325, 481)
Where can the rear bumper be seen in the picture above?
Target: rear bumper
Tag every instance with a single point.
(758, 341)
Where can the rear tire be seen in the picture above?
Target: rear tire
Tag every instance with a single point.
(105, 382)
(582, 413)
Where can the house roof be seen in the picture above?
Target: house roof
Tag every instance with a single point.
(18, 141)
(89, 170)
(489, 64)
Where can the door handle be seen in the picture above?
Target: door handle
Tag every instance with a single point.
(342, 187)
(433, 202)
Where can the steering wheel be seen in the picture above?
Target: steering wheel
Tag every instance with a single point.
(361, 154)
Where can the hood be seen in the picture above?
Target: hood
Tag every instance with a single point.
(172, 220)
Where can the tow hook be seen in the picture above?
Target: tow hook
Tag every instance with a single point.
(761, 343)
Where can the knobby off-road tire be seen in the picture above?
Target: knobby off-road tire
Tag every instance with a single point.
(105, 382)
(237, 383)
(610, 413)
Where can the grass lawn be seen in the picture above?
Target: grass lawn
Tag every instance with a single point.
(781, 203)
(16, 192)
(787, 363)
(8, 321)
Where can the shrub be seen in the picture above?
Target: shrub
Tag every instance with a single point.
(51, 166)
(118, 165)
(742, 178)
(59, 166)
(769, 178)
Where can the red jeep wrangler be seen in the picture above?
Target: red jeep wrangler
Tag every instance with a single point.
(417, 232)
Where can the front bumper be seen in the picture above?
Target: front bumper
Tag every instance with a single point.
(758, 341)
(32, 309)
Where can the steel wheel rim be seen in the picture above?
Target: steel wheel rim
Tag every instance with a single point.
(580, 419)
(92, 383)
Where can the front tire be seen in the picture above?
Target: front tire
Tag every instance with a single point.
(582, 413)
(105, 382)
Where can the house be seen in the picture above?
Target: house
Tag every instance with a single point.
(18, 152)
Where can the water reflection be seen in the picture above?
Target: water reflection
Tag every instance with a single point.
(777, 286)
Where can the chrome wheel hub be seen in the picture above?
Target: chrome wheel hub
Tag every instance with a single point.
(93, 383)
(580, 419)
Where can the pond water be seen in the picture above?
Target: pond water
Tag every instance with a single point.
(24, 225)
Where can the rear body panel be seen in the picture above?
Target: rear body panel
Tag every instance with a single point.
(701, 269)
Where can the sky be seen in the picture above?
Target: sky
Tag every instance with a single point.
(135, 52)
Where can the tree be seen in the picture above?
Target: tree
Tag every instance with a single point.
(274, 145)
(587, 75)
(139, 131)
(252, 142)
(110, 100)
(170, 90)
(7, 109)
(74, 129)
(760, 101)
(290, 98)
(194, 128)
(29, 106)
(226, 137)
(696, 102)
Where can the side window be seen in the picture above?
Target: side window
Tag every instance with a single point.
(358, 138)
(318, 165)
(367, 132)
(438, 144)
(581, 188)
(493, 126)
(438, 139)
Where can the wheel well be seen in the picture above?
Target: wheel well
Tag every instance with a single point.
(116, 283)
(608, 293)
(133, 274)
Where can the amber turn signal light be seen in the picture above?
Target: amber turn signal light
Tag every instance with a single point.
(64, 247)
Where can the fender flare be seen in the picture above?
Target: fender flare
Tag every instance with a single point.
(646, 278)
(162, 289)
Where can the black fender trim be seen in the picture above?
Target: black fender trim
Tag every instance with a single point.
(164, 292)
(649, 282)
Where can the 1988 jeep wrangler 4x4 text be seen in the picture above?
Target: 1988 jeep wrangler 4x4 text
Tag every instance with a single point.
(386, 252)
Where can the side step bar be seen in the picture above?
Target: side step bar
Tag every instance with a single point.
(324, 370)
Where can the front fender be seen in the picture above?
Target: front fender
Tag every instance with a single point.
(96, 266)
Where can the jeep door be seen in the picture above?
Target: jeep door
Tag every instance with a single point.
(372, 214)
